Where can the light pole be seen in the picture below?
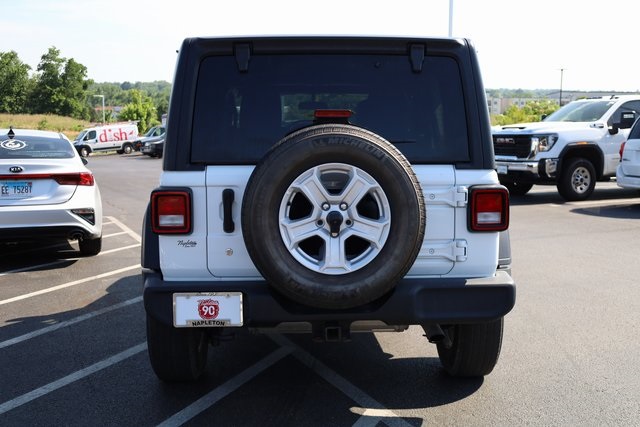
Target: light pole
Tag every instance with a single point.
(450, 18)
(561, 75)
(101, 96)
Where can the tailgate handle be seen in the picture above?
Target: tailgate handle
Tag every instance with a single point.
(227, 216)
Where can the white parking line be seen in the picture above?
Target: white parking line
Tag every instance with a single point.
(209, 399)
(354, 393)
(39, 266)
(119, 233)
(122, 248)
(69, 379)
(62, 261)
(69, 322)
(373, 411)
(135, 236)
(373, 417)
(68, 285)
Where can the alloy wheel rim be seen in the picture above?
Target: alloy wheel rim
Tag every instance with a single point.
(334, 218)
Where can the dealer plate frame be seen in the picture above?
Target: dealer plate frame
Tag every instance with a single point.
(208, 309)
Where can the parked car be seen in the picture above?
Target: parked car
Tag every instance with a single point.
(628, 172)
(294, 197)
(154, 135)
(46, 191)
(153, 149)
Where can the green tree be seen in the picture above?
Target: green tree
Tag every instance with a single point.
(539, 108)
(532, 111)
(119, 94)
(74, 90)
(14, 83)
(140, 109)
(46, 96)
(60, 86)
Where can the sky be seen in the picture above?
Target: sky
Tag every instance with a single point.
(521, 44)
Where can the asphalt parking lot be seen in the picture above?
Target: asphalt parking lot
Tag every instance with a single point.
(73, 349)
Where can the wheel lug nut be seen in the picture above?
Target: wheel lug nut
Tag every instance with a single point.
(320, 223)
(343, 206)
(326, 206)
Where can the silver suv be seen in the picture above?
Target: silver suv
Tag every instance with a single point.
(327, 185)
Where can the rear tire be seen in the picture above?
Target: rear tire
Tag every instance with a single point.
(176, 354)
(474, 349)
(90, 247)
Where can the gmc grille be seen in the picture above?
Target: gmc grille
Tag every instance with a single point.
(512, 145)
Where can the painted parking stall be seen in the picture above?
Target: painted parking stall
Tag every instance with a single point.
(72, 335)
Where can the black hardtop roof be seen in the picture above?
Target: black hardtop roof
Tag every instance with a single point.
(274, 44)
(195, 50)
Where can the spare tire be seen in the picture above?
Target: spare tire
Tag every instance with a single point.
(333, 216)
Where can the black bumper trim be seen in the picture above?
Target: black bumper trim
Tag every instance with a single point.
(412, 302)
(40, 233)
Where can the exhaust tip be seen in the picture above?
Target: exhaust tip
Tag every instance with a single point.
(76, 235)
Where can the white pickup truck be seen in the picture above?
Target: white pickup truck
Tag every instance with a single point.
(572, 148)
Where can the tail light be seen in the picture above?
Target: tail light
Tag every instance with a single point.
(489, 210)
(622, 149)
(81, 178)
(171, 211)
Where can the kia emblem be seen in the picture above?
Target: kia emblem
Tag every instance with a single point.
(15, 169)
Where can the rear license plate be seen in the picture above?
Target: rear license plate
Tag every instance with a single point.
(15, 189)
(503, 169)
(204, 310)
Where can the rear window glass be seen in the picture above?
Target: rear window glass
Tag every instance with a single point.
(35, 148)
(635, 130)
(239, 116)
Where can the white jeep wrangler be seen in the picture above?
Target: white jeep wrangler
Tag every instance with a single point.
(327, 185)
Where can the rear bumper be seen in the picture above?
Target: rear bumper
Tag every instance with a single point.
(151, 149)
(626, 181)
(44, 222)
(44, 233)
(412, 302)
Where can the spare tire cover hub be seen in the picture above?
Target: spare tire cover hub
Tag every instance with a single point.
(334, 218)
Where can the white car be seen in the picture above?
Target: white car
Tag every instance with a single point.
(46, 191)
(628, 172)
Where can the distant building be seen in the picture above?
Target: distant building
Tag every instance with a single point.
(114, 109)
(499, 105)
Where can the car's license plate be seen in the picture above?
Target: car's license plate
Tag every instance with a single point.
(503, 169)
(15, 189)
(211, 309)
